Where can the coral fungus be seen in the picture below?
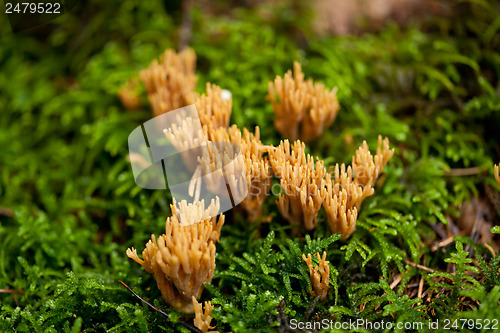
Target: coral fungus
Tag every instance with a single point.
(235, 160)
(307, 186)
(258, 171)
(301, 179)
(497, 176)
(170, 82)
(303, 109)
(367, 168)
(247, 155)
(213, 109)
(345, 192)
(320, 276)
(182, 259)
(202, 318)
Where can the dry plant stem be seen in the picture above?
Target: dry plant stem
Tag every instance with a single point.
(182, 259)
(11, 291)
(186, 25)
(320, 276)
(427, 269)
(463, 172)
(190, 327)
(311, 307)
(396, 281)
(303, 109)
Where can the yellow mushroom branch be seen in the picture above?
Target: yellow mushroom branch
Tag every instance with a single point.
(320, 276)
(182, 259)
(302, 109)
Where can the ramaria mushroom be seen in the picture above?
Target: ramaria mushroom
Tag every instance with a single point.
(302, 109)
(320, 276)
(182, 259)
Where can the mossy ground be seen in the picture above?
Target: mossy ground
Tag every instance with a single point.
(69, 207)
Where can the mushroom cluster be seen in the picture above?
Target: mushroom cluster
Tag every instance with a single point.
(320, 276)
(346, 190)
(301, 179)
(302, 109)
(170, 82)
(182, 259)
(307, 186)
(214, 108)
(235, 159)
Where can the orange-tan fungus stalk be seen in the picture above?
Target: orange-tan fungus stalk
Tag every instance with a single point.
(170, 82)
(497, 175)
(221, 165)
(129, 96)
(367, 168)
(258, 170)
(320, 276)
(301, 180)
(202, 318)
(213, 109)
(185, 135)
(182, 259)
(302, 109)
(345, 192)
(250, 158)
(342, 199)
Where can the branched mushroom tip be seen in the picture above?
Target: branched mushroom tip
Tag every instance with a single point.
(307, 186)
(170, 82)
(301, 180)
(246, 170)
(182, 259)
(214, 108)
(303, 109)
(320, 276)
(203, 318)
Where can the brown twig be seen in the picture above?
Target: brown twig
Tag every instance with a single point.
(463, 172)
(492, 251)
(427, 269)
(186, 25)
(445, 241)
(311, 307)
(420, 288)
(396, 281)
(11, 291)
(6, 212)
(180, 321)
